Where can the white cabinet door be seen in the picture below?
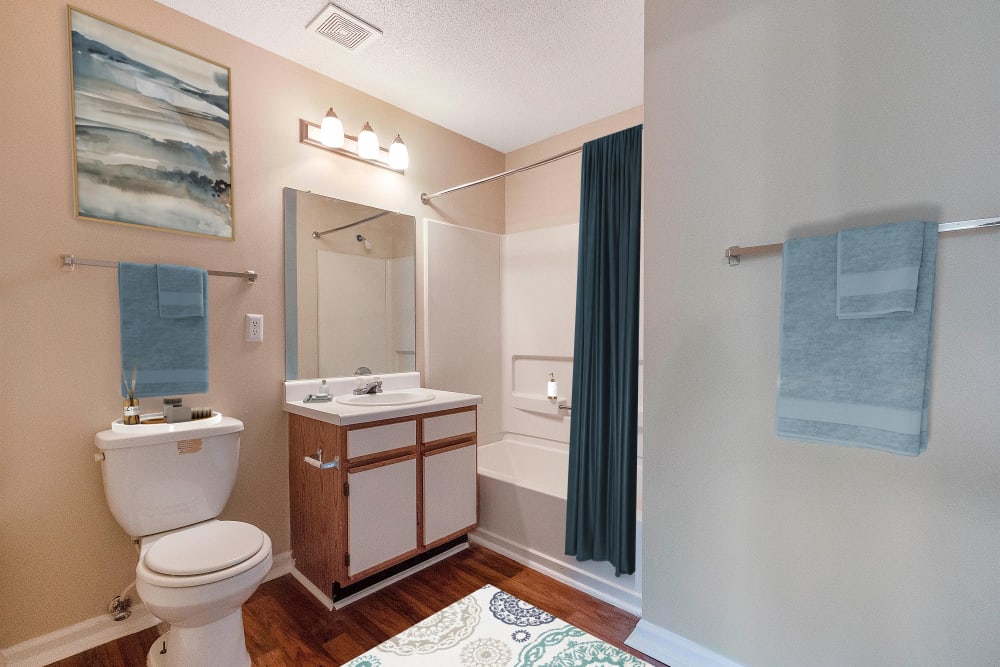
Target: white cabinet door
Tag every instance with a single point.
(382, 520)
(449, 492)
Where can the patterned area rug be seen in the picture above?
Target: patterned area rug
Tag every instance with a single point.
(491, 628)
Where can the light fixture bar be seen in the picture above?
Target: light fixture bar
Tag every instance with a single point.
(309, 134)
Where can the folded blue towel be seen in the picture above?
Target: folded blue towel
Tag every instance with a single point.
(171, 355)
(180, 290)
(877, 269)
(858, 382)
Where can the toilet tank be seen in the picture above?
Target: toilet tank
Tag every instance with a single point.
(160, 477)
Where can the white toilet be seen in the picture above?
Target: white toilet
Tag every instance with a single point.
(165, 484)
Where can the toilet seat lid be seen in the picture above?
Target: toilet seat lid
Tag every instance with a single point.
(204, 548)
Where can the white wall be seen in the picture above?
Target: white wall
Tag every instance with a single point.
(769, 120)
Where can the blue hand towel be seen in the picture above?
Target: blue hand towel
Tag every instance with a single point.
(857, 382)
(877, 269)
(180, 291)
(171, 354)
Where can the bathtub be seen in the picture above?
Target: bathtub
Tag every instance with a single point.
(522, 514)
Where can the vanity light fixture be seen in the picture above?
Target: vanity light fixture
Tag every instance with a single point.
(331, 132)
(367, 143)
(399, 157)
(329, 135)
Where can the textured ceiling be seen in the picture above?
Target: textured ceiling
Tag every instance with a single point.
(506, 73)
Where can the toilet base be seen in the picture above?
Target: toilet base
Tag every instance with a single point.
(218, 644)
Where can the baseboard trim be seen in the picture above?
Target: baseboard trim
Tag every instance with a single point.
(330, 604)
(281, 565)
(673, 649)
(313, 589)
(76, 638)
(93, 632)
(618, 596)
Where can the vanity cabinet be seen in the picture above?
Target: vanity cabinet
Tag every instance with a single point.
(403, 486)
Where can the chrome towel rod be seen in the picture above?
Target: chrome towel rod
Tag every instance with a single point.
(70, 262)
(733, 253)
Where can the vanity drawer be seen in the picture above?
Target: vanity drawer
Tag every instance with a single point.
(449, 425)
(376, 439)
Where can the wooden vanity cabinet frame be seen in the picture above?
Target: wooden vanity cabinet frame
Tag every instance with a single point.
(320, 498)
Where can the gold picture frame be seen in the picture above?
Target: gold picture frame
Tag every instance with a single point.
(152, 140)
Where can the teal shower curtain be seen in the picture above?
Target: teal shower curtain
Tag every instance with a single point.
(600, 512)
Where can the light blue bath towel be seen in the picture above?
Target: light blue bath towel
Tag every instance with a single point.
(180, 291)
(878, 268)
(858, 382)
(170, 354)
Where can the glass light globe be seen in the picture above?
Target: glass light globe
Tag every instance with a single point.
(331, 130)
(399, 157)
(367, 143)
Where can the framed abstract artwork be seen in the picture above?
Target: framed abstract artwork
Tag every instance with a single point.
(152, 143)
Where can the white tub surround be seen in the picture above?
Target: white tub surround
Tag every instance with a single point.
(522, 514)
(334, 412)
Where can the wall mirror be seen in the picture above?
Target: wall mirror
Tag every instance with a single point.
(350, 291)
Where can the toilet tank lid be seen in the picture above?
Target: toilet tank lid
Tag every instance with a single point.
(204, 548)
(139, 435)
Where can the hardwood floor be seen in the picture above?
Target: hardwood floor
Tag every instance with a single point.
(286, 627)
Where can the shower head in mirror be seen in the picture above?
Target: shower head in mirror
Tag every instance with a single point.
(366, 242)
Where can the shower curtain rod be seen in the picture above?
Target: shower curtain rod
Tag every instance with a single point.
(426, 198)
(733, 253)
(317, 235)
(69, 262)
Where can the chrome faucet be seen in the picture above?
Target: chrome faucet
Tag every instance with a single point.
(372, 386)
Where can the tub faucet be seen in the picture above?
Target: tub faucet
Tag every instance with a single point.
(373, 386)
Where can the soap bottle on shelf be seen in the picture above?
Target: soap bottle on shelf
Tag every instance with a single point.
(553, 388)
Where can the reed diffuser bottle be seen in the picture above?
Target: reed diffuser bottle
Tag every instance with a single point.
(131, 403)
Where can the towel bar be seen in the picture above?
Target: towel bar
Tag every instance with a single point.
(733, 253)
(69, 263)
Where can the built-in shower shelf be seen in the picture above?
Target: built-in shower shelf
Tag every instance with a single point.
(538, 403)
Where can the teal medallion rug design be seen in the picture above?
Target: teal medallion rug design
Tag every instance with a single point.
(491, 628)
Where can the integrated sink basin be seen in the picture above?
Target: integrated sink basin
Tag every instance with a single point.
(399, 397)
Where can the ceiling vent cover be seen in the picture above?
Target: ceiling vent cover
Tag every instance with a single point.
(339, 25)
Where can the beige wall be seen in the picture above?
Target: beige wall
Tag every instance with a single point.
(770, 120)
(550, 195)
(62, 556)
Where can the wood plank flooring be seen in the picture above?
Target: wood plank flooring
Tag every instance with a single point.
(286, 627)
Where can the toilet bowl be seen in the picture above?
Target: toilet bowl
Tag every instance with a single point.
(166, 484)
(197, 579)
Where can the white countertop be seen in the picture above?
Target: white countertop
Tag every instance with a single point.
(345, 415)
